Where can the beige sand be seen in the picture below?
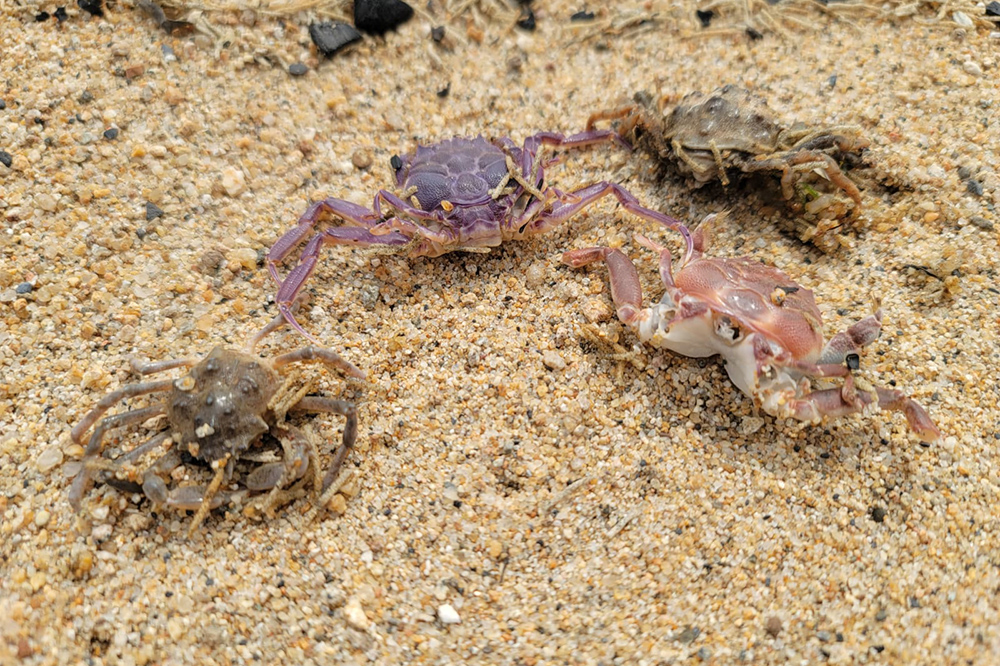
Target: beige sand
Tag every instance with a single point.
(588, 512)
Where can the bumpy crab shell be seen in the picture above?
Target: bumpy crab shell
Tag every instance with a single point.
(217, 414)
(766, 327)
(731, 130)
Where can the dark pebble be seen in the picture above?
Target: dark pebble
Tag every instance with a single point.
(832, 81)
(878, 514)
(754, 34)
(981, 222)
(704, 654)
(396, 163)
(297, 69)
(92, 7)
(974, 187)
(152, 211)
(3, 105)
(824, 636)
(42, 16)
(993, 9)
(705, 16)
(526, 21)
(964, 172)
(444, 91)
(111, 133)
(380, 16)
(773, 626)
(582, 15)
(86, 97)
(881, 615)
(914, 602)
(853, 361)
(6, 158)
(331, 37)
(688, 636)
(61, 14)
(24, 288)
(437, 33)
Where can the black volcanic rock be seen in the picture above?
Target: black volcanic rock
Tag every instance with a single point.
(380, 16)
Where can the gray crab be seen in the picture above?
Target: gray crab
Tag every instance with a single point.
(217, 413)
(766, 327)
(731, 130)
(459, 194)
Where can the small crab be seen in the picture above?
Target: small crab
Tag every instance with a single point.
(459, 194)
(218, 414)
(731, 129)
(766, 327)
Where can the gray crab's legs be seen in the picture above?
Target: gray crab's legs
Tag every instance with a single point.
(346, 409)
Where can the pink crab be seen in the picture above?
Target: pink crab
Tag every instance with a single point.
(458, 194)
(766, 327)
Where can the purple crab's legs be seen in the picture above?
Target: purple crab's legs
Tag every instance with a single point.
(288, 290)
(578, 140)
(849, 399)
(562, 211)
(351, 212)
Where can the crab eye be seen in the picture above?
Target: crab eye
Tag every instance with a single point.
(853, 361)
(728, 331)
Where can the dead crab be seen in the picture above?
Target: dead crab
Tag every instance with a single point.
(217, 413)
(459, 194)
(731, 129)
(766, 327)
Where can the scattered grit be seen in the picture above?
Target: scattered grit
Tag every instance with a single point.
(522, 495)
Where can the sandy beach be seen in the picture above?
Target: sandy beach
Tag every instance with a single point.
(518, 494)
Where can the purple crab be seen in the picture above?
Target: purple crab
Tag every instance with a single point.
(459, 194)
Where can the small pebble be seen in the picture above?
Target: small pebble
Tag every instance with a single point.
(974, 187)
(46, 202)
(233, 181)
(297, 69)
(48, 458)
(152, 211)
(705, 16)
(3, 105)
(993, 9)
(981, 222)
(92, 7)
(330, 37)
(553, 361)
(773, 626)
(972, 68)
(437, 33)
(526, 21)
(878, 514)
(582, 15)
(24, 288)
(6, 158)
(61, 14)
(448, 615)
(111, 133)
(42, 16)
(962, 19)
(361, 159)
(380, 16)
(355, 614)
(42, 518)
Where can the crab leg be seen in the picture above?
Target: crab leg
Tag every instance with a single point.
(331, 406)
(849, 399)
(626, 291)
(140, 368)
(320, 354)
(853, 339)
(116, 396)
(84, 477)
(562, 211)
(288, 290)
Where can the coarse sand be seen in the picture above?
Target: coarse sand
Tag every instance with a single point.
(519, 493)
